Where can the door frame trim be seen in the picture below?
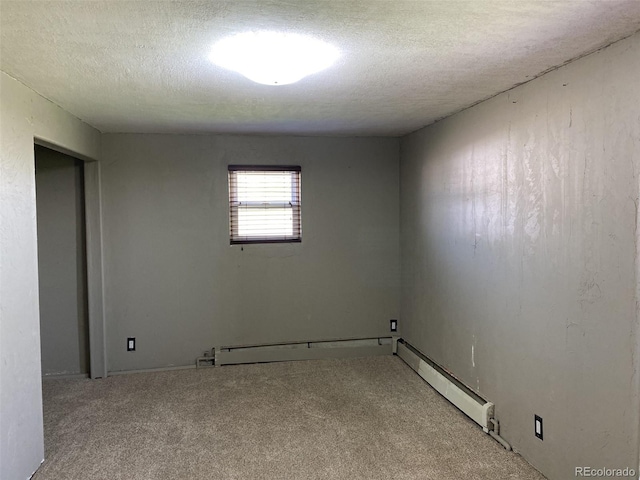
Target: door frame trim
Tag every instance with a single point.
(94, 241)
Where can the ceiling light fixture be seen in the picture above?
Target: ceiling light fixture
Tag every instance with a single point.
(273, 58)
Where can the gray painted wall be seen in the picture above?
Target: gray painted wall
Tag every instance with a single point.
(173, 281)
(62, 266)
(518, 228)
(23, 116)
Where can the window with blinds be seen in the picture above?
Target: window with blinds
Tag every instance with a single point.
(264, 204)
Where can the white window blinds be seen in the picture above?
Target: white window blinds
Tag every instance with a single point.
(264, 204)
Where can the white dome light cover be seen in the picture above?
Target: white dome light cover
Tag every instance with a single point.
(273, 58)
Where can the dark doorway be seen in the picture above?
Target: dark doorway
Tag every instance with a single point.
(62, 263)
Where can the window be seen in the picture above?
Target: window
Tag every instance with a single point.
(264, 204)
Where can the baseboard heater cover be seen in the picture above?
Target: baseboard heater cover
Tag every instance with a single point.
(476, 408)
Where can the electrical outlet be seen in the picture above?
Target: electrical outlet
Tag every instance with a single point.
(394, 325)
(131, 344)
(538, 426)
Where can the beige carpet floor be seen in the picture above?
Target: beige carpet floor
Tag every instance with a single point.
(365, 418)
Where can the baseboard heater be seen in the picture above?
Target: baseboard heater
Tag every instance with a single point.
(467, 401)
(283, 352)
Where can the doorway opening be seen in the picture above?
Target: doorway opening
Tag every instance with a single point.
(62, 264)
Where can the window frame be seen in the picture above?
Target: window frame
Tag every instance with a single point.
(234, 204)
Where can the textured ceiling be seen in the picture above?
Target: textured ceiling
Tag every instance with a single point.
(141, 66)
